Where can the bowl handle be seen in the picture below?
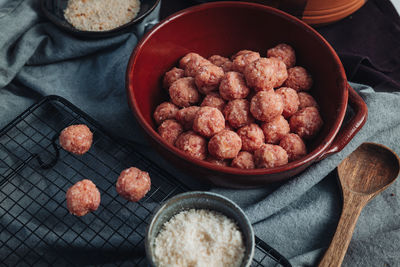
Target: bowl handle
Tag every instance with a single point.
(348, 131)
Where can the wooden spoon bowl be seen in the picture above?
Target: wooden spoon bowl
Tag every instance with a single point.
(374, 161)
(366, 172)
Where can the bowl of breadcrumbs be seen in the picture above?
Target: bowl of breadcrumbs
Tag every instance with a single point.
(97, 18)
(199, 229)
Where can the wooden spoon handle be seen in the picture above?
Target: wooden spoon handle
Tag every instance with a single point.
(352, 206)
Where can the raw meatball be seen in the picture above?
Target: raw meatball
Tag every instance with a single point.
(306, 100)
(76, 139)
(275, 129)
(186, 116)
(188, 58)
(82, 198)
(208, 77)
(171, 76)
(169, 130)
(290, 101)
(294, 146)
(237, 113)
(165, 111)
(192, 144)
(265, 74)
(183, 92)
(233, 86)
(243, 58)
(213, 100)
(281, 72)
(222, 62)
(225, 145)
(299, 79)
(194, 66)
(252, 137)
(283, 52)
(266, 105)
(133, 184)
(191, 63)
(244, 160)
(269, 156)
(208, 121)
(306, 122)
(219, 162)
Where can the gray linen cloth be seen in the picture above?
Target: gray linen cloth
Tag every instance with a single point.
(298, 217)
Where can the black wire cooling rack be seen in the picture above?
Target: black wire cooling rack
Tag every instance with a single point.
(36, 228)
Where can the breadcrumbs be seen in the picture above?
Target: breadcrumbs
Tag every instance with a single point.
(100, 15)
(199, 238)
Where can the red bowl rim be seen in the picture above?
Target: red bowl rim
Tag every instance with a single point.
(309, 158)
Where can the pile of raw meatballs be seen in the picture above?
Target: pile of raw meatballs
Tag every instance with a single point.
(245, 112)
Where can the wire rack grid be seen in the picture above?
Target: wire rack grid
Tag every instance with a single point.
(37, 229)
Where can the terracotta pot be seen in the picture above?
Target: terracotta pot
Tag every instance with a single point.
(314, 12)
(318, 12)
(224, 28)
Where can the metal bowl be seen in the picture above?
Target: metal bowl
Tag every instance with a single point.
(54, 11)
(200, 200)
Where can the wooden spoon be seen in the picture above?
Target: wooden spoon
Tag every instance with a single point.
(366, 172)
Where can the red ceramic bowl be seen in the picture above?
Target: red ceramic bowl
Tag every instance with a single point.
(224, 28)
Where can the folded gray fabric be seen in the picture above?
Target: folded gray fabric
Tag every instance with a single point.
(298, 217)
